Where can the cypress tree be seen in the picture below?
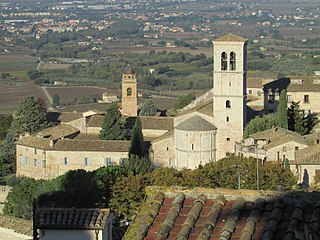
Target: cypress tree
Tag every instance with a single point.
(148, 109)
(112, 128)
(137, 147)
(282, 116)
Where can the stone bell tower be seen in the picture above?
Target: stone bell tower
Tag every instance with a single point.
(229, 87)
(129, 92)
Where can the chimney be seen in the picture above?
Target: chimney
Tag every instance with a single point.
(51, 141)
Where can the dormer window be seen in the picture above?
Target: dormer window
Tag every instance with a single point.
(232, 61)
(224, 61)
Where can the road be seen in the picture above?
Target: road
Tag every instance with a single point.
(7, 234)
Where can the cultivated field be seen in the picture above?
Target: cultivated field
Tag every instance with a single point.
(53, 66)
(11, 96)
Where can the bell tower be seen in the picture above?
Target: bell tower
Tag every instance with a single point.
(129, 92)
(229, 91)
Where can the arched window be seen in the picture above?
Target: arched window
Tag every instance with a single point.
(232, 61)
(224, 61)
(129, 91)
(228, 104)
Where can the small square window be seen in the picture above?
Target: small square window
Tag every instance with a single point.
(250, 91)
(296, 148)
(228, 139)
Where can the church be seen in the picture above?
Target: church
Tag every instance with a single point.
(207, 129)
(204, 131)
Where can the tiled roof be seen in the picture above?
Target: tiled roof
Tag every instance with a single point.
(69, 116)
(70, 218)
(277, 136)
(154, 122)
(168, 134)
(161, 123)
(309, 155)
(95, 121)
(204, 108)
(196, 123)
(230, 38)
(128, 70)
(61, 130)
(75, 145)
(306, 86)
(205, 214)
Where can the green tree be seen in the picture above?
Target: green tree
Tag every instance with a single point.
(55, 101)
(19, 199)
(148, 109)
(184, 101)
(7, 155)
(112, 128)
(30, 116)
(134, 165)
(259, 124)
(282, 114)
(128, 194)
(297, 122)
(5, 123)
(137, 145)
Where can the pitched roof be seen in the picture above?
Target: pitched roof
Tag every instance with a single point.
(69, 116)
(19, 225)
(308, 155)
(277, 136)
(230, 38)
(204, 108)
(128, 70)
(71, 218)
(61, 130)
(254, 83)
(308, 84)
(95, 121)
(199, 213)
(196, 123)
(153, 122)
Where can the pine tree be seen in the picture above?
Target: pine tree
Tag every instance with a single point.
(136, 146)
(148, 109)
(112, 128)
(30, 117)
(282, 115)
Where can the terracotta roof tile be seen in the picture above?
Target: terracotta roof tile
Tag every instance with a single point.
(204, 214)
(230, 38)
(70, 218)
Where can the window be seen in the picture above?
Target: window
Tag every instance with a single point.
(108, 162)
(228, 104)
(35, 162)
(27, 161)
(228, 139)
(44, 163)
(318, 141)
(167, 148)
(192, 146)
(129, 91)
(296, 148)
(284, 149)
(306, 99)
(35, 151)
(20, 159)
(224, 61)
(85, 161)
(229, 84)
(227, 119)
(232, 61)
(288, 98)
(270, 97)
(250, 91)
(65, 161)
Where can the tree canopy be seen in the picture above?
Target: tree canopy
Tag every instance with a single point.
(282, 114)
(112, 128)
(137, 145)
(30, 117)
(148, 109)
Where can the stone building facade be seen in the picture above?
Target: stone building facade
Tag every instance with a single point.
(129, 93)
